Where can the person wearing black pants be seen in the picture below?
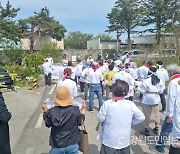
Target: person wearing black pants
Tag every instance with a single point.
(173, 150)
(47, 72)
(5, 116)
(163, 102)
(48, 79)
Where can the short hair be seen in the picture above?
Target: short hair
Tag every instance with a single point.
(149, 63)
(159, 62)
(173, 69)
(127, 65)
(120, 88)
(121, 65)
(101, 62)
(67, 71)
(111, 67)
(69, 63)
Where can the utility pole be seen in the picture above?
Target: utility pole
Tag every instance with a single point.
(117, 41)
(32, 38)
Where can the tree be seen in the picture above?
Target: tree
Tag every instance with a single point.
(173, 23)
(51, 48)
(77, 40)
(13, 53)
(104, 37)
(9, 31)
(124, 17)
(156, 13)
(42, 24)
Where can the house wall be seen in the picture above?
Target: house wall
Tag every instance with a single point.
(108, 45)
(149, 39)
(93, 44)
(39, 41)
(82, 52)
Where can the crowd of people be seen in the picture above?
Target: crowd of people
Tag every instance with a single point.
(115, 83)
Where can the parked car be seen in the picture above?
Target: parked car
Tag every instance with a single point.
(133, 54)
(5, 80)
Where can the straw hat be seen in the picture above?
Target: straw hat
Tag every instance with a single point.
(63, 96)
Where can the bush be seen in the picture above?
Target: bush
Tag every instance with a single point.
(14, 53)
(166, 60)
(51, 48)
(34, 60)
(86, 57)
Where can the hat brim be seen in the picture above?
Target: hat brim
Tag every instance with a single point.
(64, 102)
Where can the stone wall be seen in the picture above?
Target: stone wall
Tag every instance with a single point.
(86, 52)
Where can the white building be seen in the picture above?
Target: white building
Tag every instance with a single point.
(101, 44)
(167, 40)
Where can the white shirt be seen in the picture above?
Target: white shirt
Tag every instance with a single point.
(105, 65)
(117, 118)
(50, 60)
(133, 72)
(150, 92)
(142, 72)
(47, 68)
(57, 72)
(85, 74)
(162, 75)
(117, 62)
(90, 60)
(64, 62)
(95, 77)
(78, 70)
(176, 114)
(172, 91)
(127, 60)
(102, 69)
(71, 85)
(122, 75)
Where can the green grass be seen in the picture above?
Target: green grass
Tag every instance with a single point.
(166, 60)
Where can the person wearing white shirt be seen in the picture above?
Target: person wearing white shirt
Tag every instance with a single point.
(78, 69)
(122, 75)
(90, 59)
(116, 117)
(85, 75)
(102, 68)
(95, 78)
(172, 119)
(117, 63)
(73, 69)
(68, 82)
(164, 77)
(57, 72)
(80, 77)
(175, 113)
(50, 59)
(142, 71)
(151, 88)
(133, 70)
(47, 72)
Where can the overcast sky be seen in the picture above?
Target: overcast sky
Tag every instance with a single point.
(87, 16)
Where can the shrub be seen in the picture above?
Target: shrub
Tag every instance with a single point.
(166, 60)
(34, 60)
(14, 53)
(51, 48)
